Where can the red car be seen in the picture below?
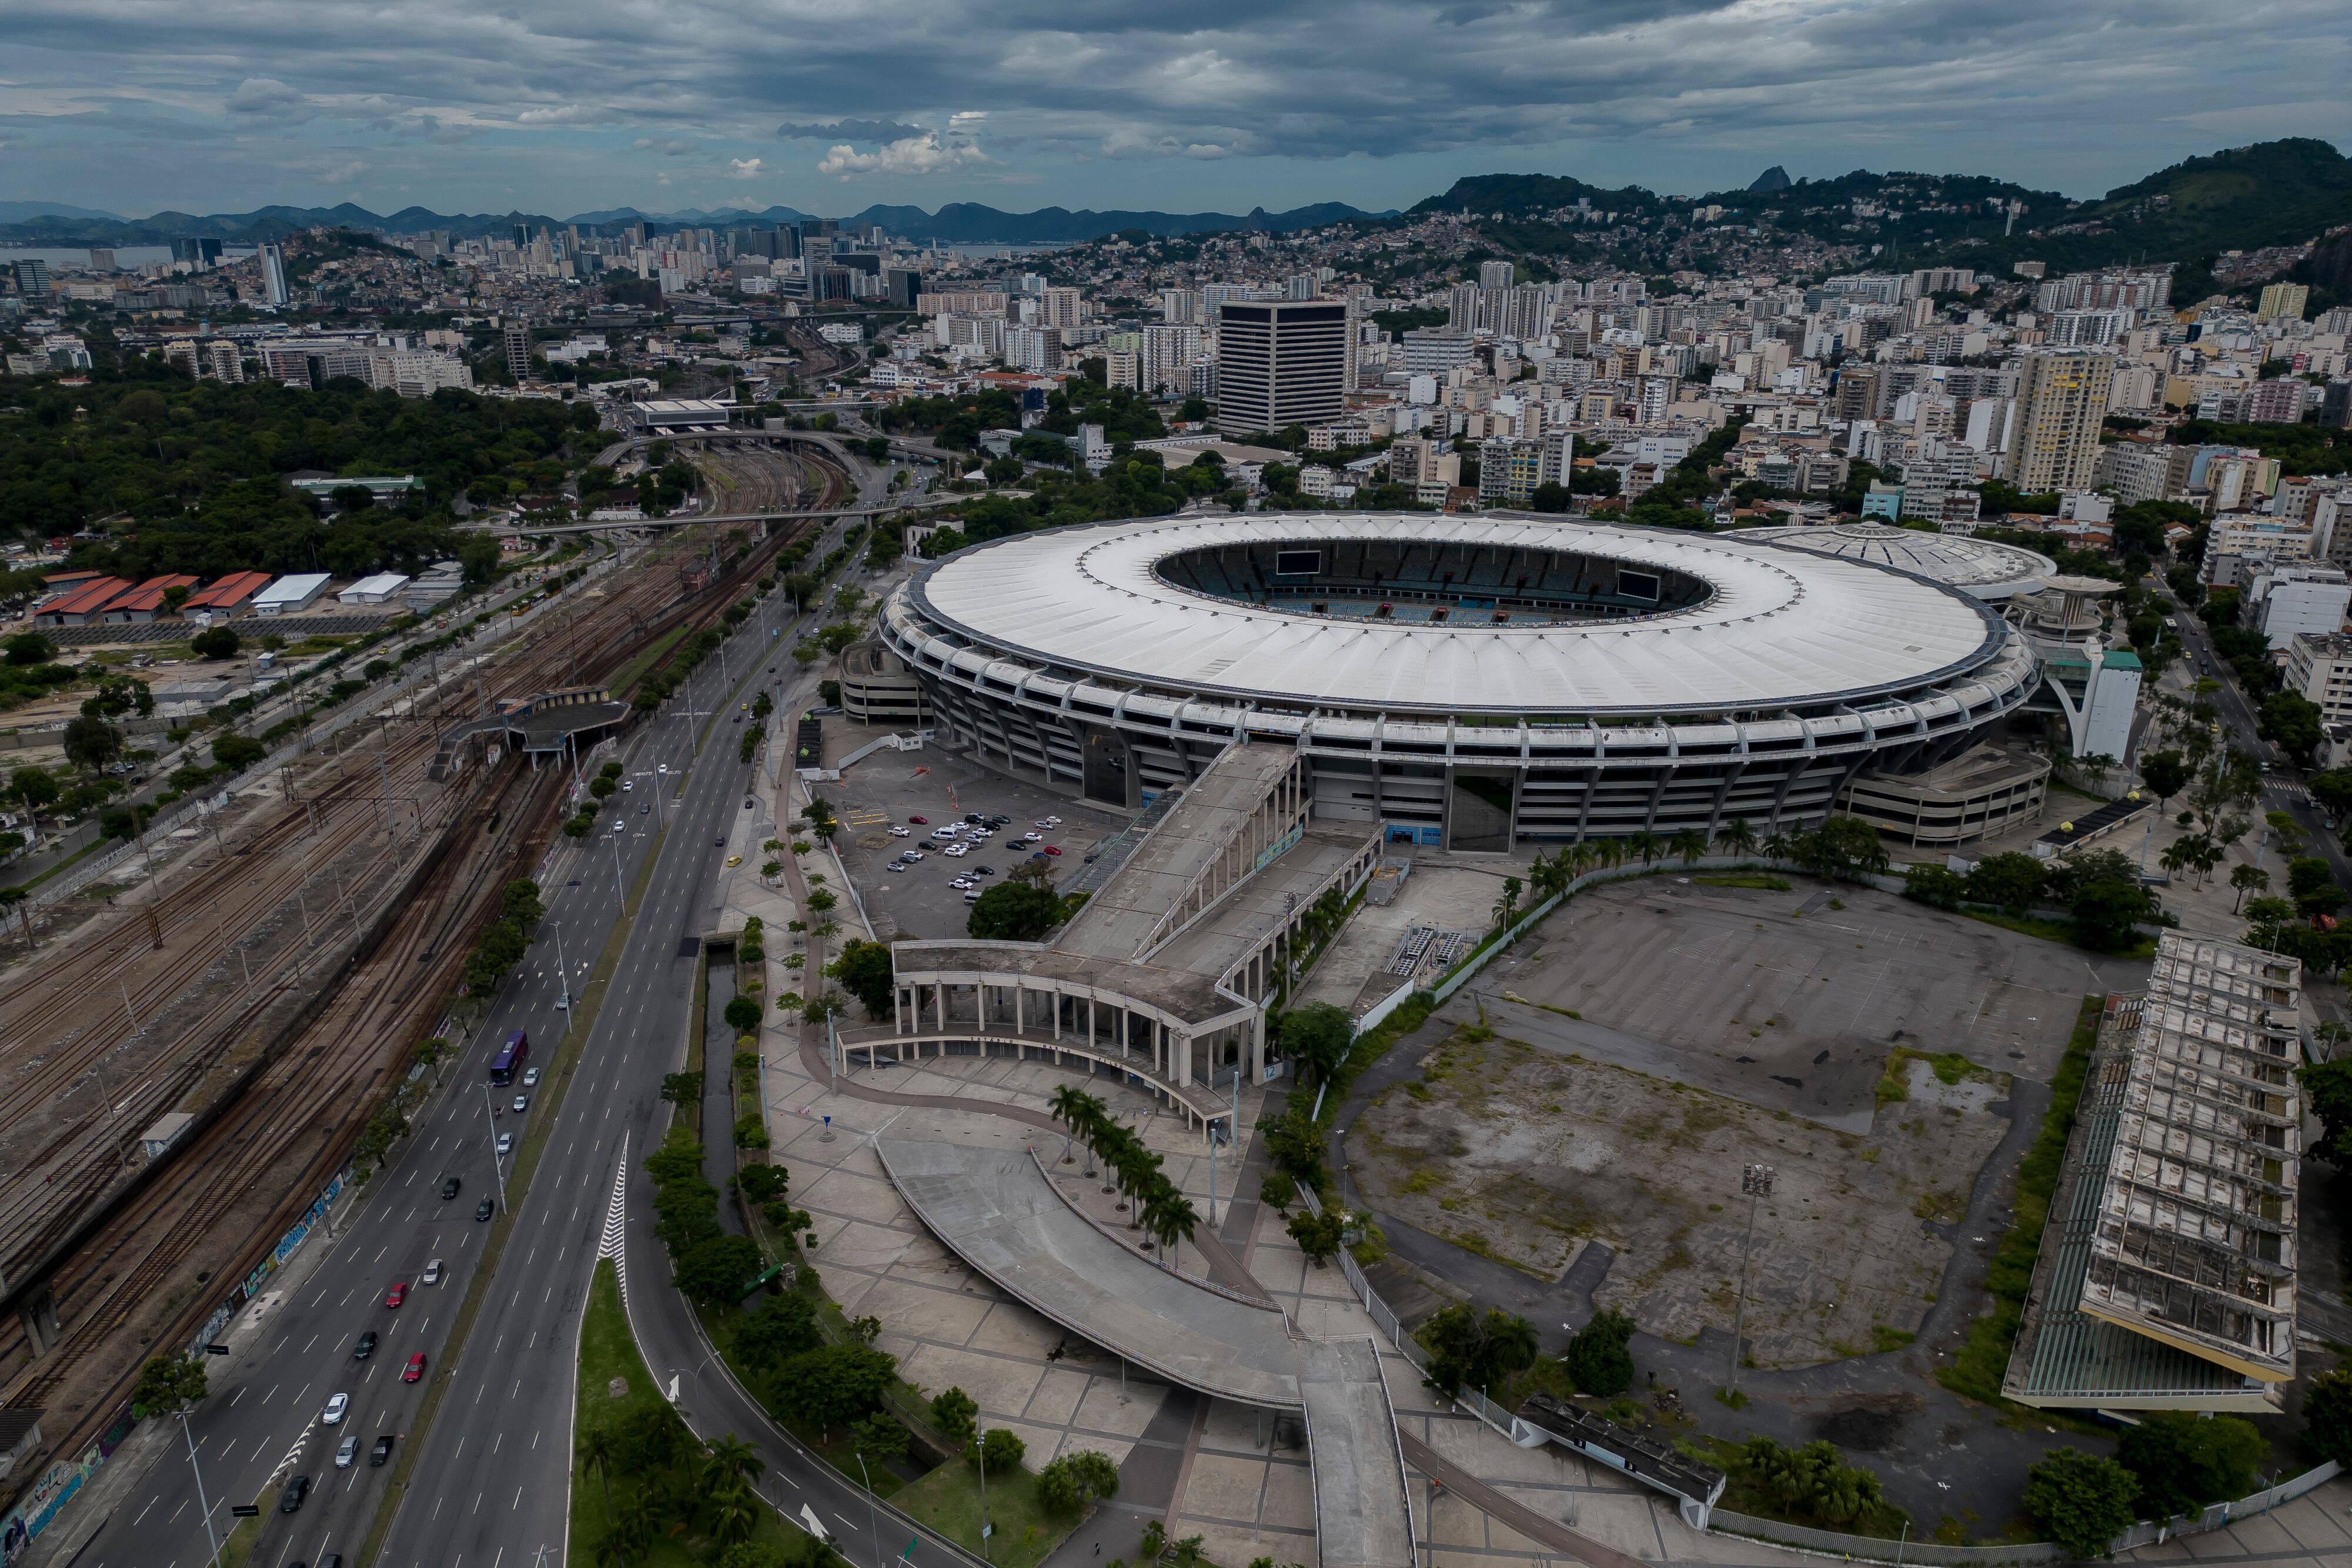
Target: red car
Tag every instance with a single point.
(415, 1368)
(1051, 850)
(397, 1294)
(921, 822)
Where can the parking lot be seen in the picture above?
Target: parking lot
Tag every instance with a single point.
(892, 788)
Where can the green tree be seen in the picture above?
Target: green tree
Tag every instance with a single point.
(865, 971)
(35, 789)
(1001, 1450)
(91, 744)
(2291, 722)
(2105, 912)
(596, 1448)
(2081, 1501)
(215, 642)
(832, 1385)
(1841, 848)
(520, 901)
(2327, 1417)
(742, 1014)
(1013, 912)
(954, 1413)
(2247, 877)
(1318, 1035)
(681, 1089)
(717, 1270)
(169, 1384)
(758, 1184)
(1468, 1349)
(1317, 1235)
(1597, 1358)
(2165, 774)
(1934, 885)
(2011, 880)
(2312, 884)
(28, 648)
(2183, 1461)
(2327, 1094)
(1076, 1479)
(877, 1437)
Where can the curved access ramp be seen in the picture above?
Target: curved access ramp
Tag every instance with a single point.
(1363, 1509)
(995, 1211)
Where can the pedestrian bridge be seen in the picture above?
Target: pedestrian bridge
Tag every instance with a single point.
(994, 1209)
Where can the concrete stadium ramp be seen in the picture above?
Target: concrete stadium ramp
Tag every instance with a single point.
(1363, 1509)
(995, 1211)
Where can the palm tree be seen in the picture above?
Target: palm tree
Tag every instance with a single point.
(1689, 844)
(1778, 847)
(1172, 1219)
(596, 1448)
(733, 1459)
(1508, 904)
(1738, 836)
(1645, 844)
(1067, 1105)
(733, 1515)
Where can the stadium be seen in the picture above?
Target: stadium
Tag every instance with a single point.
(1472, 682)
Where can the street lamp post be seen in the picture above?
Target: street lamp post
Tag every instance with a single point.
(873, 1524)
(489, 1120)
(1755, 1181)
(210, 1534)
(562, 974)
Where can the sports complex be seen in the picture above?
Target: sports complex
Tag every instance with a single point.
(1469, 682)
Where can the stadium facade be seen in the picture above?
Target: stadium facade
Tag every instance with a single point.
(1472, 681)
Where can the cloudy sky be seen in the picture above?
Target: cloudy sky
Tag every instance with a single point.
(564, 106)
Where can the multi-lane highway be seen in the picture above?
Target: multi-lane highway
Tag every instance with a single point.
(490, 1482)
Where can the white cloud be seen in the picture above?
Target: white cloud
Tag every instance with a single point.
(264, 95)
(929, 153)
(341, 174)
(742, 168)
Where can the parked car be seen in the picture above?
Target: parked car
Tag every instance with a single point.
(1052, 849)
(898, 832)
(919, 822)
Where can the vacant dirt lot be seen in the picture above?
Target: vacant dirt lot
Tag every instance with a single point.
(1523, 1154)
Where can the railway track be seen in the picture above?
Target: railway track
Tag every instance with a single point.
(326, 1084)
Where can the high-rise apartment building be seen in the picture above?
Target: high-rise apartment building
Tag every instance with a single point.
(2283, 299)
(1061, 307)
(2054, 440)
(33, 279)
(1280, 363)
(273, 275)
(518, 345)
(1495, 275)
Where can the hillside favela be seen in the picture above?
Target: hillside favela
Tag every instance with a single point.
(936, 787)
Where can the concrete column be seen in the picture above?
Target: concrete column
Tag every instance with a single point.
(940, 995)
(1057, 1013)
(898, 1009)
(1093, 1034)
(1016, 1006)
(1258, 1048)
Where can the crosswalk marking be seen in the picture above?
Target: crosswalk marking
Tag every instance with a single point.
(614, 1212)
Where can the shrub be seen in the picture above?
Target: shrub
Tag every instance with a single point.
(1597, 1359)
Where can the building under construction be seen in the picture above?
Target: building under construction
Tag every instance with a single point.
(2166, 1277)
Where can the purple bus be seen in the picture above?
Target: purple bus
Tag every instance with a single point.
(507, 1065)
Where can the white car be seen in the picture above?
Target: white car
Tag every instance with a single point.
(898, 832)
(953, 851)
(432, 1275)
(333, 1414)
(530, 1077)
(1053, 821)
(911, 855)
(1044, 822)
(895, 865)
(1032, 838)
(505, 1144)
(348, 1451)
(945, 832)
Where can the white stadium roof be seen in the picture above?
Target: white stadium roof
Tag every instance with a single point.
(1781, 627)
(1982, 568)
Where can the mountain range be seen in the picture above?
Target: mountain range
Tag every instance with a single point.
(2272, 193)
(56, 223)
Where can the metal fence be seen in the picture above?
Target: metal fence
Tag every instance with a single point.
(1873, 1549)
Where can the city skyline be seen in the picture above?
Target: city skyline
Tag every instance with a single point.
(586, 106)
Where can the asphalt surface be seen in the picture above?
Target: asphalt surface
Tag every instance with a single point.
(491, 1484)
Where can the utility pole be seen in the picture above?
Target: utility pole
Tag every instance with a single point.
(563, 1002)
(1755, 1181)
(980, 1445)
